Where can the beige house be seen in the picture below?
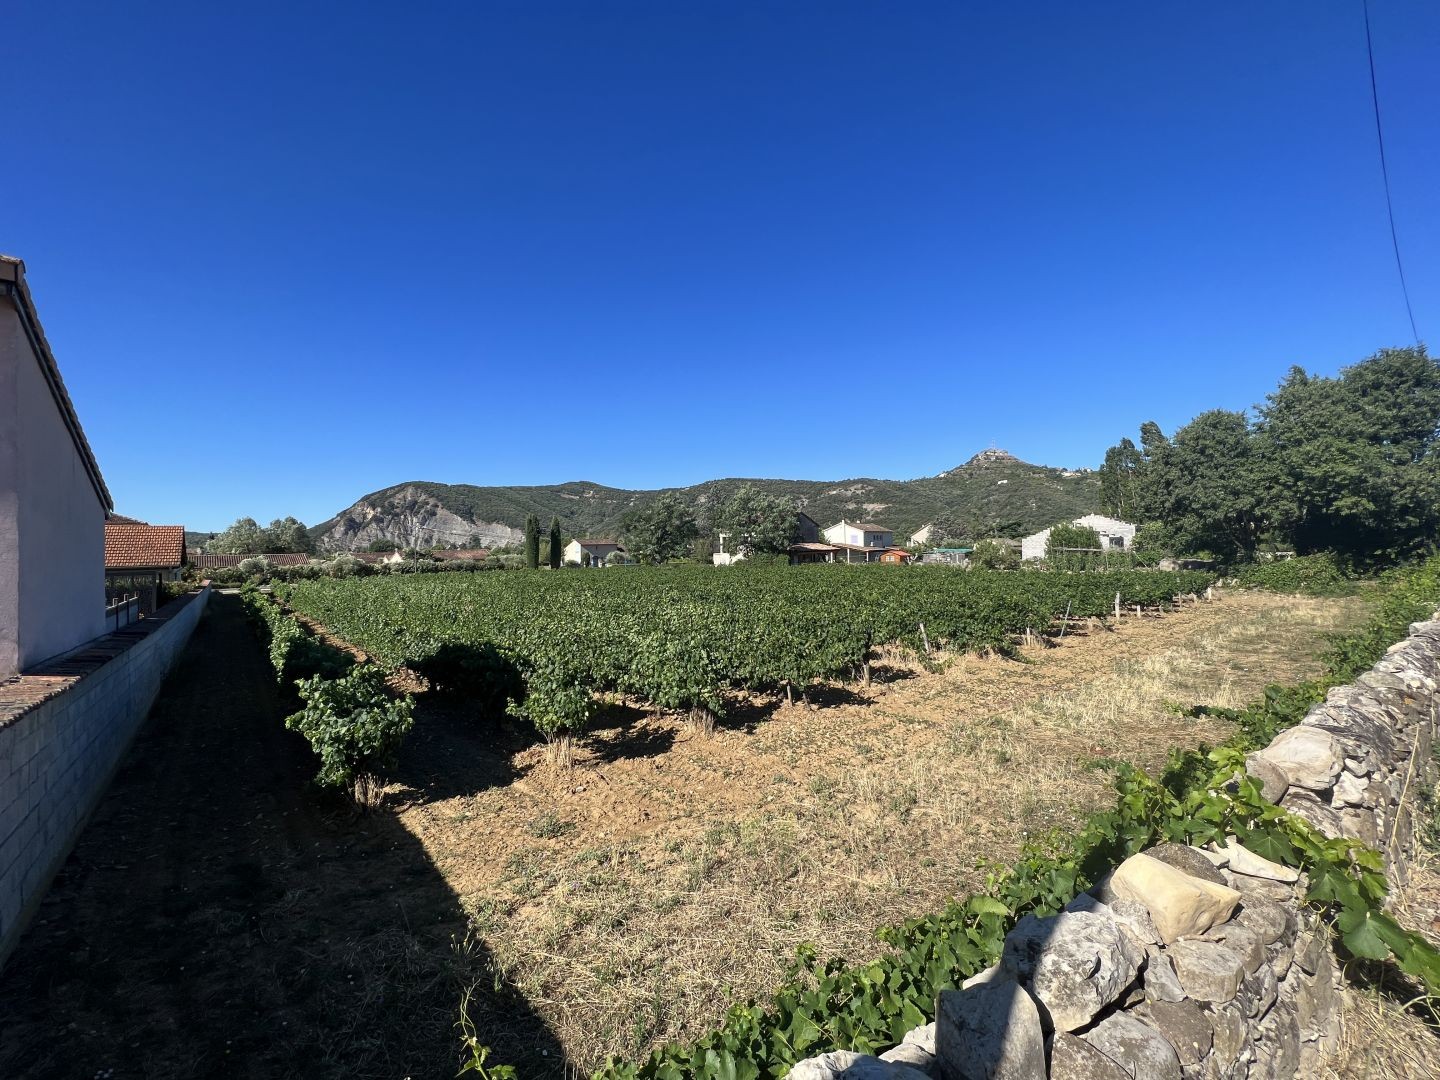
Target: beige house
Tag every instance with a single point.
(53, 500)
(591, 552)
(856, 541)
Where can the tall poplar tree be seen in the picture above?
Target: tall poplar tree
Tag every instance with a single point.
(554, 543)
(532, 542)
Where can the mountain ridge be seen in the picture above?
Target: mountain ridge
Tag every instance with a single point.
(993, 486)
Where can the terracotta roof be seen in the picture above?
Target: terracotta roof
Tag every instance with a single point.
(12, 284)
(463, 553)
(280, 558)
(137, 546)
(814, 547)
(867, 528)
(596, 541)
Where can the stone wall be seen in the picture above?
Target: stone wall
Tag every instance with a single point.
(64, 728)
(1188, 963)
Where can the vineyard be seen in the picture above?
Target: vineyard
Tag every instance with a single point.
(681, 637)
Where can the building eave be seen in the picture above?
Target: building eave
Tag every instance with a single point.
(12, 282)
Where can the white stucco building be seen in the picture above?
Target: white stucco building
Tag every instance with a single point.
(1115, 535)
(592, 551)
(53, 500)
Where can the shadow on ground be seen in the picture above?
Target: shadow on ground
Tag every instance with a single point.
(219, 918)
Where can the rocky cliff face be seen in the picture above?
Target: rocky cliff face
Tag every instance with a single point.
(410, 518)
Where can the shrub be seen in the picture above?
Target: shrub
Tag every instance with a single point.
(354, 725)
(1313, 575)
(255, 566)
(558, 704)
(482, 674)
(994, 555)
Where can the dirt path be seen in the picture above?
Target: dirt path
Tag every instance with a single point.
(219, 919)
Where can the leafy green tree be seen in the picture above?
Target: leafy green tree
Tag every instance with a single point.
(1207, 484)
(289, 535)
(765, 523)
(1351, 462)
(382, 546)
(245, 537)
(555, 546)
(994, 555)
(532, 542)
(662, 530)
(1120, 479)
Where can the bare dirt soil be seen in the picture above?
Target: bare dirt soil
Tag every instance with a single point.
(219, 918)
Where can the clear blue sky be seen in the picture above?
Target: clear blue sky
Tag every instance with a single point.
(288, 254)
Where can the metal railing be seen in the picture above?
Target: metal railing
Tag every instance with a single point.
(121, 612)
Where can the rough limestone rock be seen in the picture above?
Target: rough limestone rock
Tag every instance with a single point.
(1135, 1046)
(917, 1050)
(1349, 789)
(980, 978)
(1244, 861)
(1254, 888)
(1271, 777)
(1074, 963)
(1177, 902)
(1309, 807)
(1241, 940)
(1184, 1025)
(1359, 824)
(847, 1065)
(1257, 992)
(1072, 1058)
(908, 1054)
(1207, 970)
(1132, 917)
(1188, 860)
(873, 1068)
(989, 1032)
(1310, 758)
(1272, 921)
(824, 1067)
(1230, 1029)
(1161, 984)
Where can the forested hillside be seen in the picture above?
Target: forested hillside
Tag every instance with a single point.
(993, 492)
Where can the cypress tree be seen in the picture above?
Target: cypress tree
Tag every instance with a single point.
(532, 542)
(554, 543)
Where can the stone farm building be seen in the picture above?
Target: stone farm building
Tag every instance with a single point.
(1115, 535)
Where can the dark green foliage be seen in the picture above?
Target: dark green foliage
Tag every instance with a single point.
(556, 547)
(1312, 575)
(758, 521)
(683, 636)
(662, 531)
(1348, 464)
(994, 555)
(532, 542)
(1073, 547)
(352, 723)
(1352, 460)
(482, 675)
(1120, 480)
(294, 652)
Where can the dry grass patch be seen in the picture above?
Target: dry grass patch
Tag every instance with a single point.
(669, 881)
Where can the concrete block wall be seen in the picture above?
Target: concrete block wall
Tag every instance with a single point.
(57, 754)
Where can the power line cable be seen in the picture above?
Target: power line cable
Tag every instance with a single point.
(1385, 175)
